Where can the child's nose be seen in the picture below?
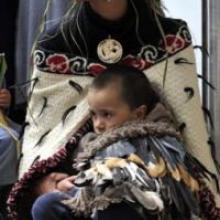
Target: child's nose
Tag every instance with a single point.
(99, 125)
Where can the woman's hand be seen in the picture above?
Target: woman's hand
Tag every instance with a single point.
(49, 183)
(66, 184)
(5, 98)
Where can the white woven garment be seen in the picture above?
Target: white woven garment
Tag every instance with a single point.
(60, 97)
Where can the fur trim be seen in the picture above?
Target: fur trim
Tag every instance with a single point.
(207, 203)
(129, 130)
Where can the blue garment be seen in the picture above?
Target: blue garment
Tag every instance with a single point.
(49, 206)
(8, 155)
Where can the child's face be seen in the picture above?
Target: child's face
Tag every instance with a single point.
(108, 109)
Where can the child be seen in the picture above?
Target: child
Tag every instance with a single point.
(133, 156)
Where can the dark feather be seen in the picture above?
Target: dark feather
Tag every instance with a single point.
(189, 91)
(182, 127)
(175, 146)
(142, 149)
(201, 170)
(76, 86)
(182, 198)
(212, 144)
(119, 149)
(45, 104)
(19, 85)
(145, 180)
(66, 113)
(208, 114)
(42, 138)
(163, 151)
(19, 160)
(188, 198)
(151, 156)
(151, 185)
(206, 81)
(35, 160)
(182, 60)
(201, 48)
(213, 152)
(36, 80)
(25, 124)
(175, 197)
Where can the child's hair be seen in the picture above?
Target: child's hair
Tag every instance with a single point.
(136, 89)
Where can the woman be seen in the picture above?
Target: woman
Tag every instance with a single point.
(93, 35)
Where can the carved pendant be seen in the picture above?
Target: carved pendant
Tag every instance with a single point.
(109, 51)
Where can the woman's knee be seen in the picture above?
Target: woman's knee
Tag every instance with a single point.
(46, 204)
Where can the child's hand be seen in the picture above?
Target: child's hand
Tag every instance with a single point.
(49, 183)
(66, 184)
(5, 98)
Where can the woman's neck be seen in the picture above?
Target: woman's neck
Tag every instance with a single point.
(110, 10)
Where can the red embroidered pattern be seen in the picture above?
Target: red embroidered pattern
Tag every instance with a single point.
(147, 56)
(58, 63)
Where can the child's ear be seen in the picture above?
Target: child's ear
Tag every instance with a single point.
(140, 112)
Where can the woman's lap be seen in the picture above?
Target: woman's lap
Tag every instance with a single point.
(49, 206)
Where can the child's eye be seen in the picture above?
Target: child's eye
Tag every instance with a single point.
(107, 114)
(92, 113)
